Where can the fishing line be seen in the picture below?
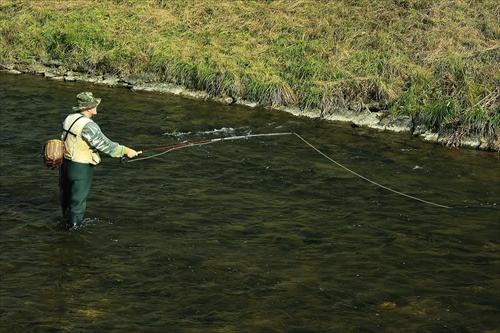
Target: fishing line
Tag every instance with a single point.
(369, 180)
(170, 148)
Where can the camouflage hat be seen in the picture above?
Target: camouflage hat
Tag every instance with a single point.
(85, 100)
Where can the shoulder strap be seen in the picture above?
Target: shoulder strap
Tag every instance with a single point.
(69, 129)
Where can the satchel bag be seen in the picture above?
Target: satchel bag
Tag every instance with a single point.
(53, 150)
(53, 153)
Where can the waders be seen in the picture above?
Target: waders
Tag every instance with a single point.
(75, 181)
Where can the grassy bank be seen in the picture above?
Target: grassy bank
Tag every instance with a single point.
(436, 60)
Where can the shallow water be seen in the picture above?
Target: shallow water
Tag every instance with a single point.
(253, 235)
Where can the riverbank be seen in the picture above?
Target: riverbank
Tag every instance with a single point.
(53, 70)
(427, 67)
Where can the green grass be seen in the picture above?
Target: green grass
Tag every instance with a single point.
(435, 60)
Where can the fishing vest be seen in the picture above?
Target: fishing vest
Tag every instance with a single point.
(76, 148)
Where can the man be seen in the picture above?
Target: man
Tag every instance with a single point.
(82, 140)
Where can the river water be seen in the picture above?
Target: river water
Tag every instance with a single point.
(263, 234)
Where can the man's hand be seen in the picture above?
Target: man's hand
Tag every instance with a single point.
(132, 153)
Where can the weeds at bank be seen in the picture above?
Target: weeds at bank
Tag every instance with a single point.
(436, 61)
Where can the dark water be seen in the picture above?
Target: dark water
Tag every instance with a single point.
(253, 235)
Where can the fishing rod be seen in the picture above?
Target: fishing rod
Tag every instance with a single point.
(181, 145)
(206, 141)
(169, 148)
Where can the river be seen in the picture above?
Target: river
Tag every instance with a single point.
(262, 234)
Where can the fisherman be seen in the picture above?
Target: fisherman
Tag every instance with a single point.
(82, 140)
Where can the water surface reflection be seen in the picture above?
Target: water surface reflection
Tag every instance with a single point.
(257, 235)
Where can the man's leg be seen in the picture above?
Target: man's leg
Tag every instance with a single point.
(77, 182)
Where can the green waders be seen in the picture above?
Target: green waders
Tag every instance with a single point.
(75, 181)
